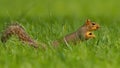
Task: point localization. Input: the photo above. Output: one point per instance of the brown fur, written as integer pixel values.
(81, 34)
(19, 31)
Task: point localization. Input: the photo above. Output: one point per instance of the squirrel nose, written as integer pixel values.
(98, 26)
(94, 36)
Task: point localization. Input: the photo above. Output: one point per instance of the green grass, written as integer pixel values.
(49, 20)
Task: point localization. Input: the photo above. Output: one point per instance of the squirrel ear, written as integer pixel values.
(88, 22)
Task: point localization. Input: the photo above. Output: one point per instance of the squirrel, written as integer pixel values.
(82, 33)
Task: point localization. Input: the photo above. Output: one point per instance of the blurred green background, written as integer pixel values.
(43, 8)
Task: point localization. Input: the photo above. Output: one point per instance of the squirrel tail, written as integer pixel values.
(19, 31)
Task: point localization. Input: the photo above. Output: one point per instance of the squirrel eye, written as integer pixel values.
(90, 33)
(93, 23)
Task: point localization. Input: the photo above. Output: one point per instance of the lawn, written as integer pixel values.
(48, 20)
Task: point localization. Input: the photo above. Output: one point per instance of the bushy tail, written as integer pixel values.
(19, 31)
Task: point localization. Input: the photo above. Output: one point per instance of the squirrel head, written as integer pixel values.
(89, 35)
(91, 25)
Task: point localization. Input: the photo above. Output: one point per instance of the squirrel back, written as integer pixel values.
(74, 38)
